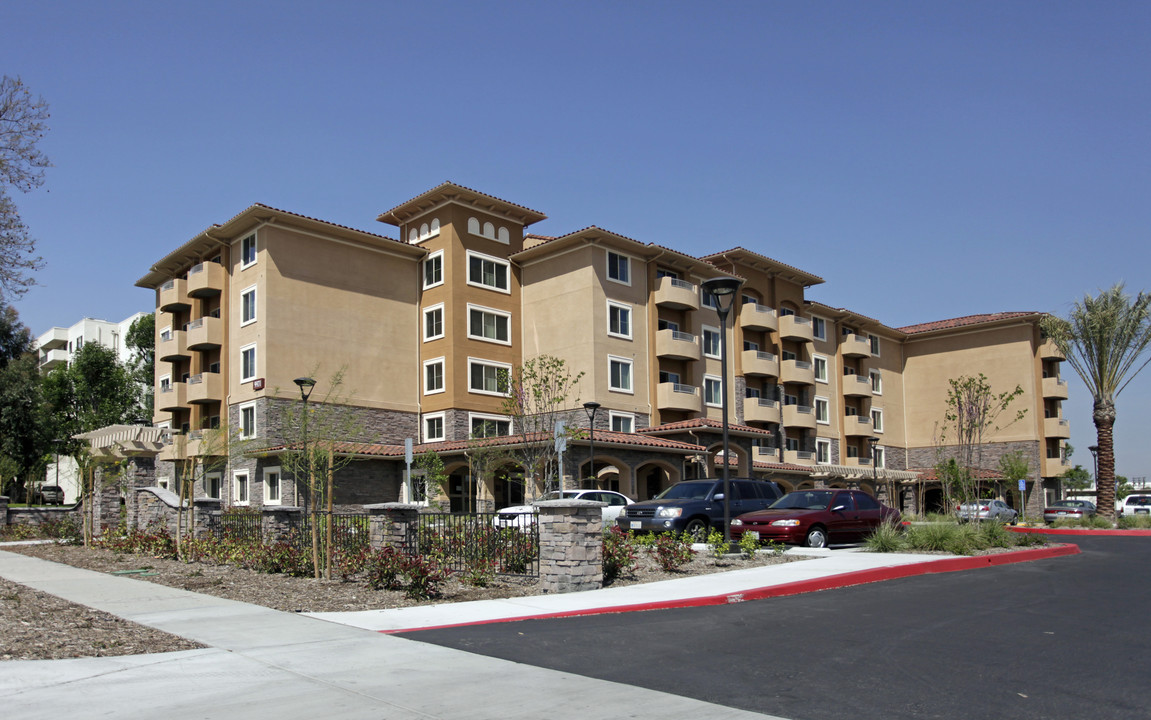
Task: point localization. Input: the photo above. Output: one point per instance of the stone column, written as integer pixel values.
(204, 508)
(277, 522)
(388, 523)
(571, 545)
(3, 510)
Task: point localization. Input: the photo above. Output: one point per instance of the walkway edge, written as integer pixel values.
(848, 579)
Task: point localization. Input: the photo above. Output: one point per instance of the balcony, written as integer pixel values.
(55, 339)
(766, 453)
(856, 386)
(175, 348)
(174, 295)
(798, 416)
(675, 396)
(207, 443)
(859, 462)
(753, 316)
(758, 362)
(797, 371)
(794, 327)
(1056, 427)
(172, 397)
(799, 457)
(205, 388)
(1056, 465)
(855, 346)
(761, 410)
(206, 333)
(857, 426)
(1055, 388)
(1050, 351)
(206, 280)
(675, 293)
(676, 345)
(53, 358)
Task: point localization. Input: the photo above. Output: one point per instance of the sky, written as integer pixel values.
(928, 160)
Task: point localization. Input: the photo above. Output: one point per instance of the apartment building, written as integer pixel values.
(424, 327)
(57, 346)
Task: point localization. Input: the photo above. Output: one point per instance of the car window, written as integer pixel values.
(686, 491)
(733, 487)
(804, 500)
(845, 499)
(865, 502)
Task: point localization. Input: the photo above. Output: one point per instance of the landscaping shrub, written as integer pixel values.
(426, 576)
(520, 550)
(67, 530)
(888, 537)
(749, 545)
(671, 551)
(17, 532)
(718, 546)
(933, 536)
(995, 534)
(383, 569)
(1135, 522)
(618, 554)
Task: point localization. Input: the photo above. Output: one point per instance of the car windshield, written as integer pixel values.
(1066, 504)
(686, 491)
(804, 500)
(556, 495)
(1139, 500)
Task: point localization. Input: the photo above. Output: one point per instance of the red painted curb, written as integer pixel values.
(859, 577)
(1082, 531)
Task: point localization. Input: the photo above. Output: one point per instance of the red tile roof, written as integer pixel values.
(964, 321)
(700, 424)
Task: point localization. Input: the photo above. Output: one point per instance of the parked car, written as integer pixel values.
(1068, 510)
(817, 518)
(987, 510)
(49, 495)
(695, 506)
(1134, 505)
(522, 516)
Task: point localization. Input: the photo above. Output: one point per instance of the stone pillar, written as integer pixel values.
(571, 545)
(388, 523)
(106, 503)
(277, 522)
(204, 508)
(3, 510)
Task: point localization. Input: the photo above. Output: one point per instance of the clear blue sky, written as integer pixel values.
(928, 159)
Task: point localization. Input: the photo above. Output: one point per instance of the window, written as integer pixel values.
(665, 273)
(240, 487)
(785, 311)
(749, 345)
(708, 299)
(712, 390)
(880, 457)
(619, 320)
(668, 377)
(247, 363)
(788, 355)
(818, 328)
(248, 306)
(434, 427)
(272, 488)
(248, 251)
(821, 413)
(874, 339)
(619, 268)
(488, 272)
(711, 341)
(434, 376)
(876, 382)
(434, 270)
(490, 426)
(877, 419)
(248, 420)
(434, 322)
(163, 482)
(488, 378)
(823, 451)
(662, 324)
(622, 422)
(619, 370)
(819, 363)
(488, 324)
(212, 485)
(165, 336)
(165, 383)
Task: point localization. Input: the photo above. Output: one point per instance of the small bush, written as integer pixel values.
(426, 577)
(748, 545)
(888, 537)
(933, 536)
(383, 567)
(481, 572)
(717, 545)
(17, 532)
(1135, 522)
(1029, 539)
(671, 551)
(618, 554)
(995, 534)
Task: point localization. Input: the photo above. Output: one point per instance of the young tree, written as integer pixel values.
(539, 392)
(1075, 479)
(1015, 466)
(141, 339)
(25, 431)
(1105, 338)
(22, 119)
(433, 478)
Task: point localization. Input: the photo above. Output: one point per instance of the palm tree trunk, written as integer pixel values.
(1104, 416)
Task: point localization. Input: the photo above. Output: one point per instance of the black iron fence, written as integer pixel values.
(350, 531)
(243, 526)
(478, 542)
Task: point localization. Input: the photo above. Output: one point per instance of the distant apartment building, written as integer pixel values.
(424, 327)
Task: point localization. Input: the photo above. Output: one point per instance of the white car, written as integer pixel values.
(1134, 505)
(520, 516)
(987, 510)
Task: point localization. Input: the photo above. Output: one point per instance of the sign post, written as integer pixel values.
(408, 471)
(561, 446)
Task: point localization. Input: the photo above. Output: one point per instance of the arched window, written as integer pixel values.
(435, 226)
(489, 230)
(413, 235)
(423, 231)
(473, 226)
(504, 236)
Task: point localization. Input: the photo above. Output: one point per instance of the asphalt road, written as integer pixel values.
(1058, 638)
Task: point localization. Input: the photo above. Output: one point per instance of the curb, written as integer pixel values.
(1082, 531)
(858, 577)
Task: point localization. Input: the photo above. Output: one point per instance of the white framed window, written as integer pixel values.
(823, 451)
(433, 376)
(877, 419)
(273, 493)
(619, 374)
(489, 425)
(618, 268)
(434, 427)
(711, 341)
(434, 322)
(712, 390)
(707, 299)
(819, 365)
(165, 383)
(247, 363)
(248, 251)
(487, 377)
(621, 422)
(618, 320)
(240, 487)
(248, 420)
(489, 325)
(212, 484)
(165, 336)
(434, 268)
(876, 382)
(818, 328)
(248, 305)
(822, 416)
(164, 482)
(488, 272)
(880, 457)
(874, 340)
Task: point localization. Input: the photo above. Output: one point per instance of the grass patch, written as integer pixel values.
(1135, 522)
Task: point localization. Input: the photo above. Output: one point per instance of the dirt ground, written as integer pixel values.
(39, 626)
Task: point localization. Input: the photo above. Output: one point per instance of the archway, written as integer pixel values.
(653, 478)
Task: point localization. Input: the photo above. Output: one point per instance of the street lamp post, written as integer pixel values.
(723, 289)
(306, 384)
(590, 407)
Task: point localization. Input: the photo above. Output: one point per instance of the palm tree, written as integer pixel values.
(1103, 338)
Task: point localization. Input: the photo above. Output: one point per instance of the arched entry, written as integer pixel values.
(610, 474)
(933, 501)
(461, 489)
(653, 478)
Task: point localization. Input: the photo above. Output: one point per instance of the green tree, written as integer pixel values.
(1105, 338)
(25, 433)
(433, 477)
(141, 339)
(1015, 466)
(540, 391)
(1075, 479)
(22, 124)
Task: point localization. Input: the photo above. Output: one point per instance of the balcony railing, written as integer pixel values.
(677, 396)
(794, 327)
(856, 346)
(676, 344)
(759, 362)
(753, 316)
(675, 293)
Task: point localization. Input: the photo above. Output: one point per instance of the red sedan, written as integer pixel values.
(816, 518)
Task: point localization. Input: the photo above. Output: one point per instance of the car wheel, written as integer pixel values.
(696, 528)
(816, 538)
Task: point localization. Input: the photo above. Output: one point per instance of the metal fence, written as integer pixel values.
(236, 526)
(350, 531)
(478, 541)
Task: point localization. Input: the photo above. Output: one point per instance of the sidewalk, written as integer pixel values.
(263, 663)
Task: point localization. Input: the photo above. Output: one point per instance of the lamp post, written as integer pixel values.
(723, 289)
(590, 407)
(873, 441)
(306, 384)
(1095, 462)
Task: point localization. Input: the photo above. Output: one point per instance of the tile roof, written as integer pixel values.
(964, 321)
(531, 216)
(736, 251)
(701, 424)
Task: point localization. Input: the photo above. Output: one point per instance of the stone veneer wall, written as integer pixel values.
(372, 425)
(571, 545)
(457, 422)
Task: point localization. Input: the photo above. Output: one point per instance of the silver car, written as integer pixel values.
(987, 510)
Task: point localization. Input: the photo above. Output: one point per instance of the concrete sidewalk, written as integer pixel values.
(263, 663)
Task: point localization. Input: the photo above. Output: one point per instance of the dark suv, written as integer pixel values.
(694, 506)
